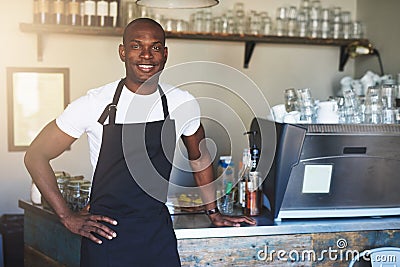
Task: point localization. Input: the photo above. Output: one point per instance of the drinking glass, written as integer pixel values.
(266, 24)
(207, 22)
(305, 3)
(198, 21)
(281, 27)
(290, 97)
(255, 23)
(351, 106)
(373, 106)
(357, 30)
(240, 21)
(306, 104)
(388, 92)
(302, 24)
(337, 23)
(346, 24)
(217, 24)
(292, 21)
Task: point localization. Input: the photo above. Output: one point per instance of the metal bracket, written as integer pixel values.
(248, 52)
(344, 56)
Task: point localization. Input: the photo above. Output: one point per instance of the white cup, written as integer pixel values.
(279, 112)
(292, 117)
(327, 112)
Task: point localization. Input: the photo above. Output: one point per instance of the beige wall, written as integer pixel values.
(383, 24)
(93, 61)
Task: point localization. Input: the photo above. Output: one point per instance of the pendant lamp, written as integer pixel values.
(177, 3)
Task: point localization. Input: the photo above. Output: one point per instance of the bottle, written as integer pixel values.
(254, 151)
(222, 164)
(43, 11)
(36, 11)
(114, 6)
(82, 13)
(102, 13)
(89, 13)
(253, 195)
(73, 12)
(229, 174)
(58, 12)
(243, 176)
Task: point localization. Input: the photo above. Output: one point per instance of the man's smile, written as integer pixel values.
(145, 67)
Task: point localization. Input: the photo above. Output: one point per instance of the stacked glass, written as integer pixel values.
(351, 107)
(388, 92)
(306, 105)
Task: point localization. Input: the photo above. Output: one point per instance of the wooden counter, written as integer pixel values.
(333, 242)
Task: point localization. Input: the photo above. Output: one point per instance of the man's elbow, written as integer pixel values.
(28, 158)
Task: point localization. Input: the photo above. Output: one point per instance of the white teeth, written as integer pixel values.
(146, 66)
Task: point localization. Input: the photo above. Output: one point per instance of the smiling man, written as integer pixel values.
(127, 222)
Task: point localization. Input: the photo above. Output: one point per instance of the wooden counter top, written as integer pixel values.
(49, 243)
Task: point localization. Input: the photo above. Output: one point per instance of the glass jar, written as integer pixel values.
(73, 194)
(290, 98)
(62, 183)
(84, 196)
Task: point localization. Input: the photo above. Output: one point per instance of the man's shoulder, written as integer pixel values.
(176, 94)
(104, 91)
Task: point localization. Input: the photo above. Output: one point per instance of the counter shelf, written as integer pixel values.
(48, 243)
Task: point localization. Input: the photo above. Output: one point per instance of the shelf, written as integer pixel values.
(249, 40)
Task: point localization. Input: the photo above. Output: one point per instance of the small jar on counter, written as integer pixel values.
(62, 183)
(84, 195)
(73, 194)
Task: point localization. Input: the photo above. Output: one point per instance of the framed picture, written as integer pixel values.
(35, 97)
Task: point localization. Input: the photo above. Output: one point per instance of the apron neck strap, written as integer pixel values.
(164, 102)
(111, 109)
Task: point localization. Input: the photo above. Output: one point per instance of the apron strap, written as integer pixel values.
(111, 109)
(164, 102)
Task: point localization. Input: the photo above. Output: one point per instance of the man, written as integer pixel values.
(127, 223)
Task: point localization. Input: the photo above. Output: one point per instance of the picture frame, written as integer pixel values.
(35, 96)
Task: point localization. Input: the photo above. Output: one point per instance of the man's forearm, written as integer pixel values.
(204, 178)
(43, 176)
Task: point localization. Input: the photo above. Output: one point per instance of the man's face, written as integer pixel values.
(143, 52)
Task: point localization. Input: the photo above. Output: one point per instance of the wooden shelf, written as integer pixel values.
(249, 40)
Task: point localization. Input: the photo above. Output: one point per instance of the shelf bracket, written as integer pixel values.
(344, 56)
(248, 52)
(39, 47)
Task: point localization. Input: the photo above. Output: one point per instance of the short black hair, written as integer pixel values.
(146, 21)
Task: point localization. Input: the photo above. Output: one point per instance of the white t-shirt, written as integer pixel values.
(81, 115)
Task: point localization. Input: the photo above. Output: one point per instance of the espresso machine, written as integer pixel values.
(331, 170)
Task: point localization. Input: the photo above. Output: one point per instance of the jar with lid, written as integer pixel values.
(73, 194)
(84, 196)
(62, 183)
(290, 97)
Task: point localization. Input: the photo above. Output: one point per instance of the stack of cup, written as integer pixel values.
(388, 92)
(351, 106)
(373, 106)
(306, 105)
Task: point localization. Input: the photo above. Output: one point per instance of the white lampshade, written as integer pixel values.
(177, 3)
